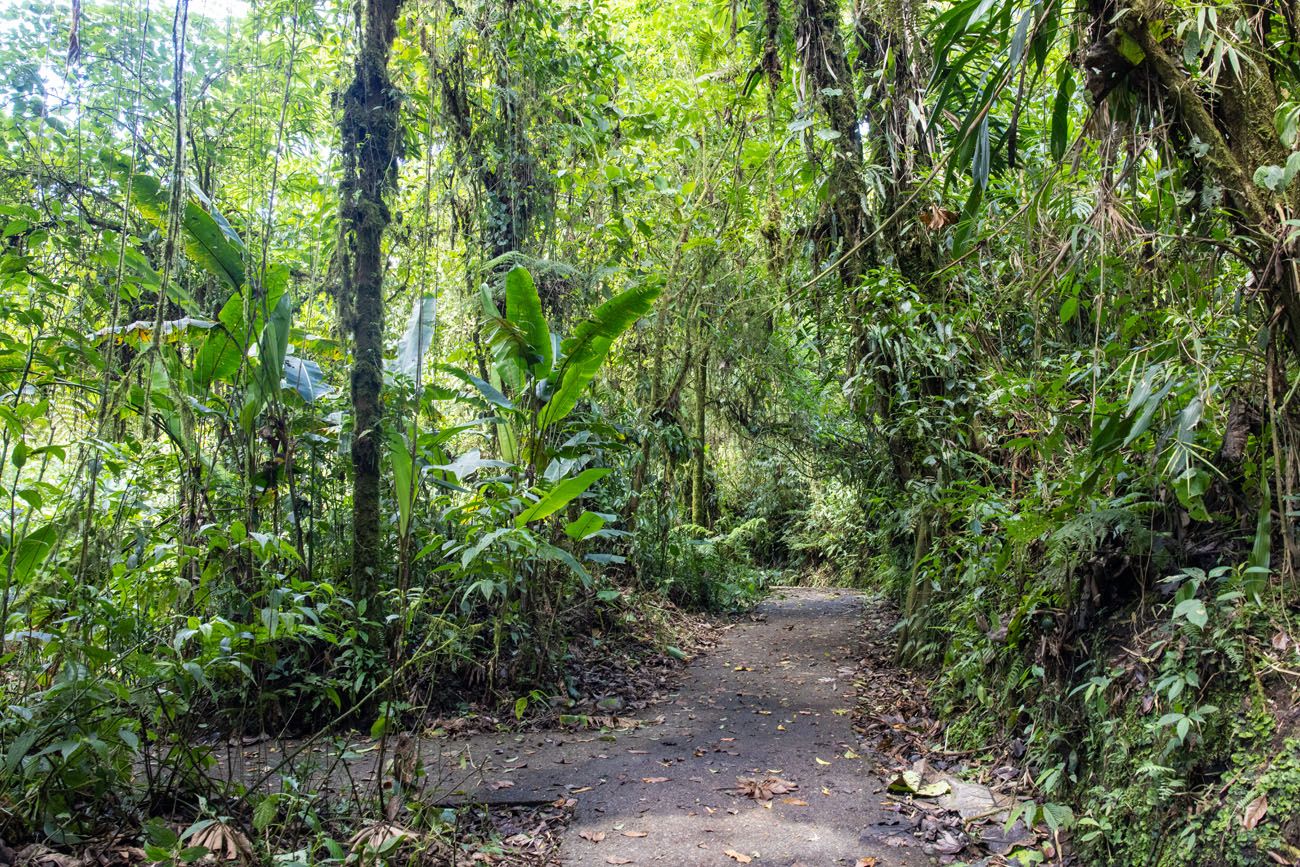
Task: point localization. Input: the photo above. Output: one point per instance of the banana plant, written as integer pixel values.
(537, 380)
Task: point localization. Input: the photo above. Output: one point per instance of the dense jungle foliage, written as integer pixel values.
(356, 359)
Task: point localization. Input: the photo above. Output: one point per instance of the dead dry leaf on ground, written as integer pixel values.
(738, 856)
(1255, 811)
(763, 790)
(911, 782)
(43, 856)
(378, 835)
(225, 842)
(593, 836)
(614, 859)
(654, 779)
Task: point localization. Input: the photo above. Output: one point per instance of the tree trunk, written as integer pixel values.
(371, 136)
(828, 83)
(698, 512)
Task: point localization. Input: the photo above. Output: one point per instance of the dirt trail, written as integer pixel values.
(773, 699)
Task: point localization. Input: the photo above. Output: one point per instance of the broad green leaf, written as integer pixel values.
(561, 495)
(1194, 612)
(269, 370)
(31, 553)
(305, 377)
(524, 311)
(586, 524)
(551, 552)
(585, 351)
(490, 393)
(1060, 135)
(399, 451)
(208, 243)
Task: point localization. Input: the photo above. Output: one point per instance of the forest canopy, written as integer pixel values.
(365, 364)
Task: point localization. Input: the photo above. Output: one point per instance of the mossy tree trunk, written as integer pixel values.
(371, 135)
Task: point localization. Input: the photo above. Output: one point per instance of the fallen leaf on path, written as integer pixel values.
(593, 836)
(614, 859)
(636, 834)
(822, 762)
(496, 785)
(1255, 811)
(910, 782)
(865, 862)
(794, 802)
(738, 856)
(654, 779)
(763, 790)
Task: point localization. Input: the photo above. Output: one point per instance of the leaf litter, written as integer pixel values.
(957, 809)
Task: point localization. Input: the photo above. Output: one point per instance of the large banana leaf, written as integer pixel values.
(561, 495)
(272, 346)
(418, 335)
(509, 346)
(586, 350)
(225, 346)
(210, 244)
(305, 377)
(524, 311)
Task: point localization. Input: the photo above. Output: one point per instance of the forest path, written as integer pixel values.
(773, 700)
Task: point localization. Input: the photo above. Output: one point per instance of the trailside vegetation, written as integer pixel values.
(368, 363)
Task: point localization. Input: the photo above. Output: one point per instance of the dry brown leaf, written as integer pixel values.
(794, 802)
(614, 859)
(636, 834)
(497, 785)
(226, 843)
(935, 218)
(865, 862)
(738, 856)
(593, 836)
(1281, 641)
(763, 790)
(654, 779)
(1255, 811)
(378, 835)
(43, 856)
